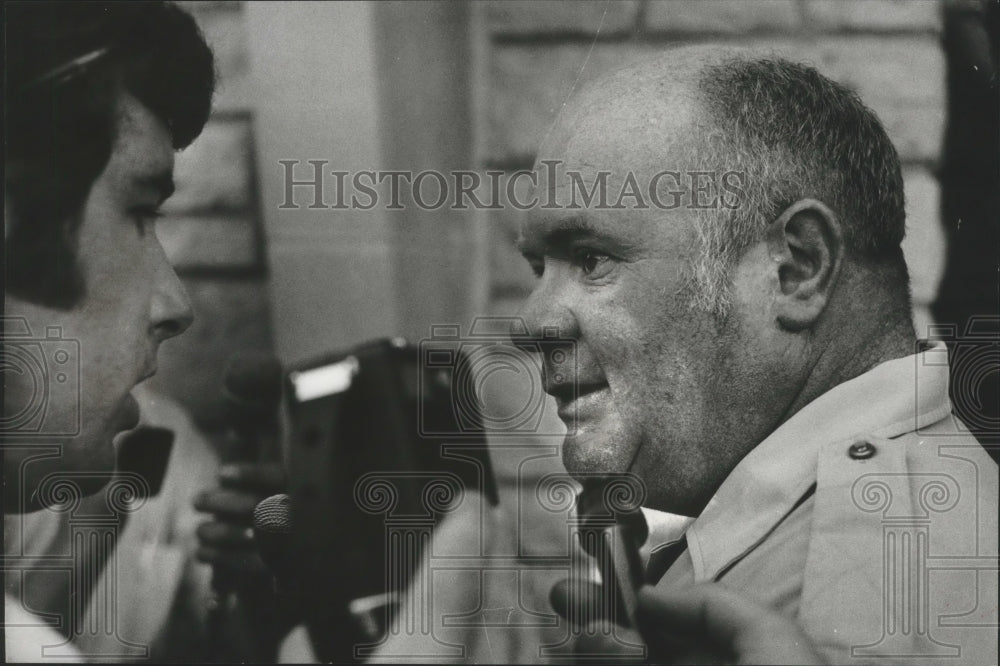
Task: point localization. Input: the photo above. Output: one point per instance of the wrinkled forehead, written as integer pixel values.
(611, 138)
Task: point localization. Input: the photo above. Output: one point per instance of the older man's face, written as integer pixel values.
(660, 387)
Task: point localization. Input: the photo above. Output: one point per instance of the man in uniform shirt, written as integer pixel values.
(748, 353)
(718, 239)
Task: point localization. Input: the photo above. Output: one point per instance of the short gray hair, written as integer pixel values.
(793, 134)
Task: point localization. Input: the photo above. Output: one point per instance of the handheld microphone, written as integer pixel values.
(251, 389)
(272, 526)
(613, 538)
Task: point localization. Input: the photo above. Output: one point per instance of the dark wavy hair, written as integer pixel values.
(67, 65)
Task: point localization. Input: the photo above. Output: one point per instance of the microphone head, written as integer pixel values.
(253, 378)
(272, 525)
(273, 516)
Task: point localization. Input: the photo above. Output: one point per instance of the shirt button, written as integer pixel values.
(861, 450)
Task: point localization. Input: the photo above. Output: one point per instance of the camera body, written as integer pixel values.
(48, 369)
(363, 472)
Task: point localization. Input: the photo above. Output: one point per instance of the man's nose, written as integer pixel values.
(543, 317)
(171, 312)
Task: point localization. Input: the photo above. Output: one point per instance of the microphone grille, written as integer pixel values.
(273, 515)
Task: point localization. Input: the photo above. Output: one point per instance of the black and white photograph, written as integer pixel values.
(501, 331)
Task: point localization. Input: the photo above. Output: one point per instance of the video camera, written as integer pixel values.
(377, 437)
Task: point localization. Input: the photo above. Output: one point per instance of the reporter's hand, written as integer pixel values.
(707, 623)
(252, 622)
(226, 539)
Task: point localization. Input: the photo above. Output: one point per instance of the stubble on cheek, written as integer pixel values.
(599, 445)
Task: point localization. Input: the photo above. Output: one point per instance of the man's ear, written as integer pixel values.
(807, 245)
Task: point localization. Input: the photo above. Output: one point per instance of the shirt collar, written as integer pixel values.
(892, 398)
(664, 529)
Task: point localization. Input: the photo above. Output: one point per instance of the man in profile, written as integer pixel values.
(749, 356)
(736, 315)
(98, 98)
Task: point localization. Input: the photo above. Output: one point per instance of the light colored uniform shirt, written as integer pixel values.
(870, 517)
(890, 553)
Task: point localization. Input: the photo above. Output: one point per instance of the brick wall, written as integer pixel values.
(886, 50)
(527, 58)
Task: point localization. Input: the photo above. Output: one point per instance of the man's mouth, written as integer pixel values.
(574, 406)
(127, 415)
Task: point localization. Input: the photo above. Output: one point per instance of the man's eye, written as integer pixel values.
(594, 264)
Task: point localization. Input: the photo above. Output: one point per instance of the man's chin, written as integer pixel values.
(590, 450)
